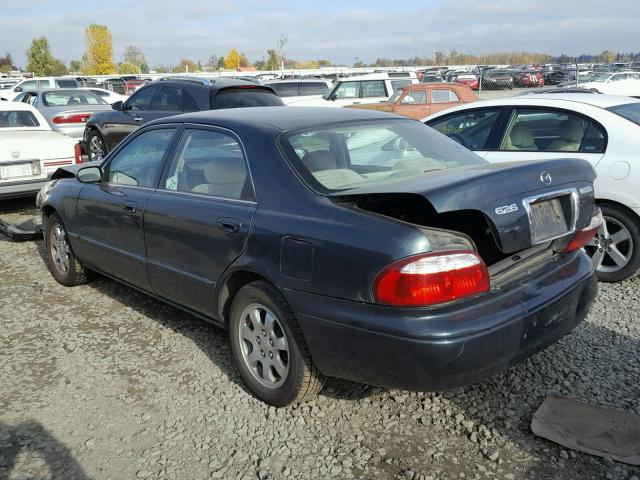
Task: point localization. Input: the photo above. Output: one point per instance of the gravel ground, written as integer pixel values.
(100, 381)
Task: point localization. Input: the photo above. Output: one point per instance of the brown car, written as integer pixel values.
(419, 100)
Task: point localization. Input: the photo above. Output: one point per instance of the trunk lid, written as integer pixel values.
(509, 195)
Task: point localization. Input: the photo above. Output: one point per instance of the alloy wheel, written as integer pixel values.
(96, 148)
(60, 249)
(612, 247)
(264, 345)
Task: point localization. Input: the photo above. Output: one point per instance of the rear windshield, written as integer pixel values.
(364, 153)
(62, 99)
(18, 119)
(245, 97)
(67, 83)
(630, 111)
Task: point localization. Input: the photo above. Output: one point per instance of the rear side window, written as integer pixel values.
(552, 131)
(289, 89)
(373, 88)
(443, 96)
(209, 163)
(630, 111)
(244, 97)
(173, 99)
(313, 88)
(18, 119)
(470, 129)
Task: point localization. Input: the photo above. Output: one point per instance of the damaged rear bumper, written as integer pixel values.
(451, 346)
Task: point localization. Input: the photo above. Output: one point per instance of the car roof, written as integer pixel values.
(281, 118)
(601, 101)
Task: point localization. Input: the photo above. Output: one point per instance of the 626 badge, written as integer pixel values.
(506, 209)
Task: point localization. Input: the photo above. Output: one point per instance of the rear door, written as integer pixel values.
(109, 215)
(442, 98)
(198, 221)
(543, 133)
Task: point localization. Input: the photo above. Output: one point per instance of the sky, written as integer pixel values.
(169, 30)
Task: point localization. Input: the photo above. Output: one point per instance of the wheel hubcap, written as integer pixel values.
(612, 247)
(264, 345)
(96, 149)
(59, 249)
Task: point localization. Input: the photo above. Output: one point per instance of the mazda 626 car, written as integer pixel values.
(346, 243)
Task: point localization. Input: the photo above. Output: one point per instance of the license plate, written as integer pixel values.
(16, 170)
(547, 220)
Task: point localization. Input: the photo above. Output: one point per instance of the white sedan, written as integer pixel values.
(615, 83)
(30, 150)
(108, 96)
(602, 129)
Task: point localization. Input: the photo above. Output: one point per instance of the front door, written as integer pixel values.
(110, 214)
(198, 221)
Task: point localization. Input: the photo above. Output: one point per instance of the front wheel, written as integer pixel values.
(64, 265)
(269, 349)
(614, 250)
(96, 146)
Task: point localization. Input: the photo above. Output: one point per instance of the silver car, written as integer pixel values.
(66, 110)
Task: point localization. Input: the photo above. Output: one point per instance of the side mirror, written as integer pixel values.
(119, 106)
(89, 175)
(17, 89)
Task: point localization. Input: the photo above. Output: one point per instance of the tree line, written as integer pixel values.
(98, 59)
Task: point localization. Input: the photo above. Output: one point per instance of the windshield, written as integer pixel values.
(630, 111)
(69, 98)
(18, 119)
(364, 153)
(600, 77)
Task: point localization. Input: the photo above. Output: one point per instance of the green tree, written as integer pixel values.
(273, 63)
(144, 68)
(57, 68)
(128, 68)
(244, 61)
(39, 57)
(186, 66)
(75, 65)
(221, 61)
(134, 55)
(99, 54)
(232, 61)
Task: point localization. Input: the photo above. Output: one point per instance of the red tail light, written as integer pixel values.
(78, 153)
(584, 236)
(431, 279)
(71, 118)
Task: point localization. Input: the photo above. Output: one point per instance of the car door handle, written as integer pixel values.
(138, 119)
(130, 207)
(229, 225)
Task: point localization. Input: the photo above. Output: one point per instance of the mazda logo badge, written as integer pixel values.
(545, 177)
(15, 153)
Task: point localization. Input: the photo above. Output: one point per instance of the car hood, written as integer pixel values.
(490, 187)
(313, 102)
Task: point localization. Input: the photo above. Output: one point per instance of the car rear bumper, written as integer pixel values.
(22, 188)
(451, 346)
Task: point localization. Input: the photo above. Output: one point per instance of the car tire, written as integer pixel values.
(63, 264)
(615, 250)
(96, 146)
(282, 372)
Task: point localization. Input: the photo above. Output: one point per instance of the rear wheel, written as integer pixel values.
(96, 146)
(269, 349)
(64, 266)
(614, 250)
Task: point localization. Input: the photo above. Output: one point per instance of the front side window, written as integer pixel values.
(356, 154)
(347, 90)
(142, 99)
(140, 161)
(29, 86)
(547, 131)
(416, 96)
(209, 163)
(444, 96)
(469, 128)
(396, 84)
